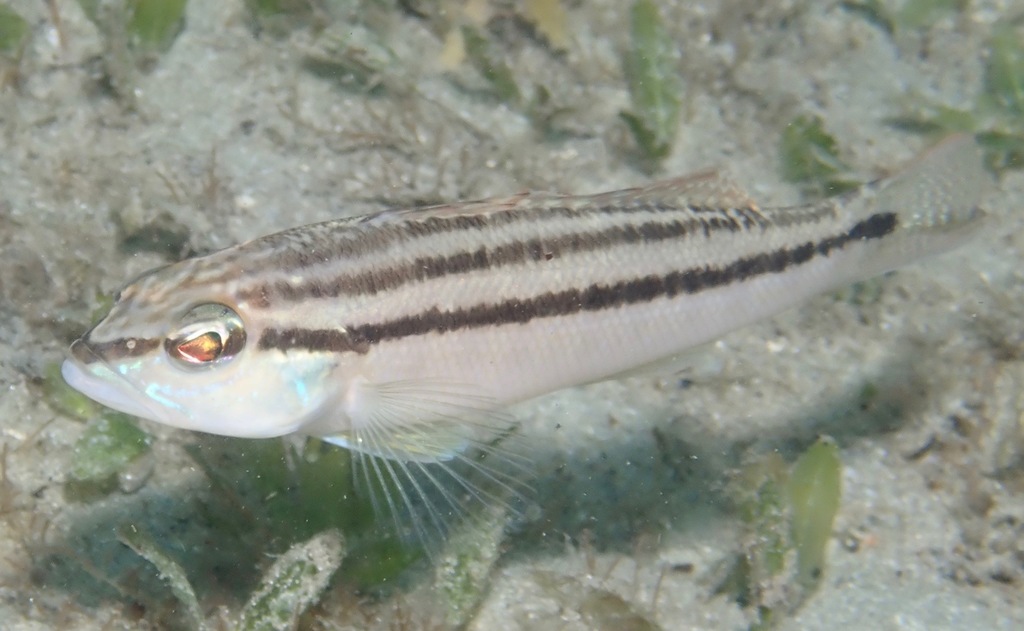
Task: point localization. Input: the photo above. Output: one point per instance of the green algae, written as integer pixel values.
(155, 24)
(810, 158)
(107, 446)
(787, 513)
(274, 494)
(654, 85)
(996, 117)
(66, 400)
(814, 489)
(14, 31)
(489, 63)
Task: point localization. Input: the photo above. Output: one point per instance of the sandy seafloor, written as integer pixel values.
(233, 138)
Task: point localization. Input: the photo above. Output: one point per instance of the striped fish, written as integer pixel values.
(402, 334)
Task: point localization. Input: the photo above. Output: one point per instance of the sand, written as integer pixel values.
(229, 136)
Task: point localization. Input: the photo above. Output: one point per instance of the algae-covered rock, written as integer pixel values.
(170, 572)
(293, 583)
(463, 572)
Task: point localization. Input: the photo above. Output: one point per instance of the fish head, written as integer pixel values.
(177, 348)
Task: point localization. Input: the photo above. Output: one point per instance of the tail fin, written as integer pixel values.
(935, 199)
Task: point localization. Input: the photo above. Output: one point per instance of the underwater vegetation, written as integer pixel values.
(487, 61)
(654, 83)
(110, 445)
(996, 118)
(293, 583)
(357, 57)
(107, 448)
(14, 32)
(907, 16)
(810, 158)
(135, 34)
(814, 491)
(149, 26)
(462, 577)
(279, 17)
(154, 24)
(787, 512)
(550, 19)
(170, 573)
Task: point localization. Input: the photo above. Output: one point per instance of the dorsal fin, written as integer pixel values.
(487, 206)
(704, 189)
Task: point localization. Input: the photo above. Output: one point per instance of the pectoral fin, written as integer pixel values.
(431, 449)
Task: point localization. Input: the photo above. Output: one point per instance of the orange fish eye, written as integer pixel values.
(208, 334)
(202, 349)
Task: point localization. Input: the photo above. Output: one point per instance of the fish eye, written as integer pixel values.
(208, 334)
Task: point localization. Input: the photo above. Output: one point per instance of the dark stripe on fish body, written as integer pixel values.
(333, 340)
(351, 239)
(595, 297)
(484, 258)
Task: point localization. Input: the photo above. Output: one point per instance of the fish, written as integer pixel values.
(403, 335)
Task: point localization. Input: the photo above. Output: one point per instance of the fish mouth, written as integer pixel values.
(81, 352)
(88, 373)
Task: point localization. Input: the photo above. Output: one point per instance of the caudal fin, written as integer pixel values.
(935, 200)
